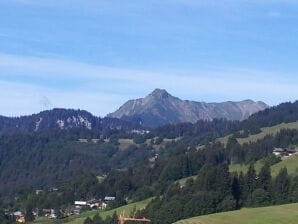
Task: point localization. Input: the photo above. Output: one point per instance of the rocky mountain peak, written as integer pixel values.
(160, 108)
(160, 94)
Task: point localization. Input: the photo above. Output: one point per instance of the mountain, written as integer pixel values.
(160, 108)
(43, 149)
(62, 119)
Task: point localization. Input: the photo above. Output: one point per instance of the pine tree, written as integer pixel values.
(236, 190)
(241, 180)
(250, 183)
(264, 179)
(281, 186)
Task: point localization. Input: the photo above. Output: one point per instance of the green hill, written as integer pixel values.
(264, 131)
(291, 163)
(127, 209)
(283, 214)
(79, 219)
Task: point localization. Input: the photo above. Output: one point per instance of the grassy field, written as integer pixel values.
(127, 209)
(243, 168)
(264, 131)
(124, 143)
(291, 163)
(283, 214)
(183, 180)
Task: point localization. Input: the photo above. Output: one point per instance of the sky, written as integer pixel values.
(97, 54)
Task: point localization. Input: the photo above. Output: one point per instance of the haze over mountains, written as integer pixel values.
(62, 119)
(160, 108)
(157, 109)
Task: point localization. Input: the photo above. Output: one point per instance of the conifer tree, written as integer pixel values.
(281, 186)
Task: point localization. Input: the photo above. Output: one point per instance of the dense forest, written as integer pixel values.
(56, 159)
(65, 119)
(214, 184)
(45, 159)
(285, 112)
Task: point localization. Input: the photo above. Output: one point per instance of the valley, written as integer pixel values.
(158, 172)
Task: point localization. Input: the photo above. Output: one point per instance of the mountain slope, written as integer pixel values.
(62, 119)
(160, 108)
(269, 215)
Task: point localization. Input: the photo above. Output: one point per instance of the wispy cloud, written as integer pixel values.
(101, 89)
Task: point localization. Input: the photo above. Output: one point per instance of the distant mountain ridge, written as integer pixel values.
(62, 119)
(160, 108)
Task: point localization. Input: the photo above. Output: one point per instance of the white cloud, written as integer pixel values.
(103, 89)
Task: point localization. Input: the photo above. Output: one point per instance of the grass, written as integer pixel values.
(243, 167)
(264, 131)
(127, 209)
(291, 163)
(124, 143)
(182, 181)
(282, 214)
(79, 219)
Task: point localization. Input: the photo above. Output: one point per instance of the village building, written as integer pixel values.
(108, 198)
(19, 217)
(283, 151)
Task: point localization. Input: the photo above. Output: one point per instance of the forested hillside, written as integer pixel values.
(38, 160)
(64, 119)
(73, 159)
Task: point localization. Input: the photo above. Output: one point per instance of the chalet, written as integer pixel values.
(53, 216)
(37, 192)
(140, 132)
(20, 218)
(54, 189)
(83, 140)
(283, 151)
(48, 212)
(77, 211)
(91, 204)
(103, 205)
(95, 140)
(107, 198)
(80, 203)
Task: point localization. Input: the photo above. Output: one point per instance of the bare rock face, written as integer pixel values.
(160, 108)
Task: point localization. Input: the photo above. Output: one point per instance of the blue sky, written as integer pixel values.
(95, 55)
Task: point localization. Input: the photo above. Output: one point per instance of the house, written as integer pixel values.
(95, 140)
(108, 198)
(37, 192)
(48, 212)
(91, 204)
(77, 211)
(53, 216)
(140, 132)
(278, 151)
(83, 140)
(20, 218)
(81, 203)
(53, 189)
(283, 151)
(103, 205)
